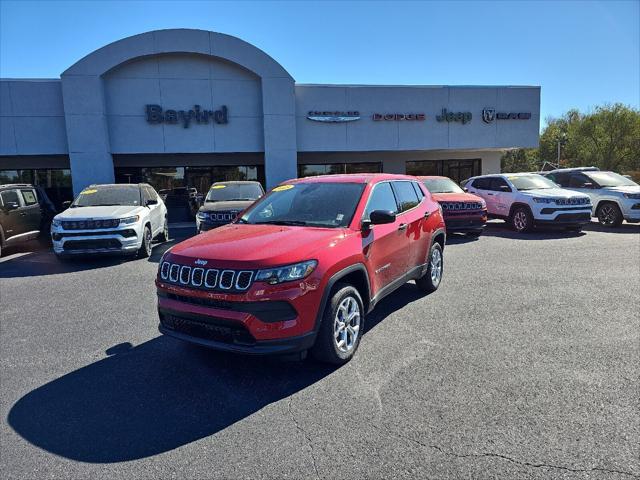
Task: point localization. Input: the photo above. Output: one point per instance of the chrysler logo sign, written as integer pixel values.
(333, 117)
(490, 114)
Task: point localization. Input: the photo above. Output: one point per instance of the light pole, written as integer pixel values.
(562, 139)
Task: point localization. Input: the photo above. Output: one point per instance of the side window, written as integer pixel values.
(407, 197)
(577, 180)
(481, 183)
(151, 193)
(419, 191)
(497, 183)
(29, 197)
(382, 198)
(9, 196)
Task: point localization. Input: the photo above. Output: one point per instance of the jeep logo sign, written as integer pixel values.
(462, 117)
(155, 115)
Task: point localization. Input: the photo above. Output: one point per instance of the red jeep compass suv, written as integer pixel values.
(301, 267)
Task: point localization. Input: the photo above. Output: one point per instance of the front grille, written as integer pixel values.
(212, 328)
(210, 279)
(106, 244)
(222, 216)
(89, 224)
(455, 206)
(128, 233)
(572, 201)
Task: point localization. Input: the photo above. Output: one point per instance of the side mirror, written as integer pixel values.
(465, 189)
(380, 217)
(505, 188)
(152, 201)
(66, 204)
(12, 206)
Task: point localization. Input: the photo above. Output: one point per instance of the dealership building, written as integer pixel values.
(190, 107)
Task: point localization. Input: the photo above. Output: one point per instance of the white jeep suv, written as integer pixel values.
(528, 199)
(117, 218)
(614, 197)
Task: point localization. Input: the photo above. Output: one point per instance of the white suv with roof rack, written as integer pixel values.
(526, 200)
(117, 218)
(614, 197)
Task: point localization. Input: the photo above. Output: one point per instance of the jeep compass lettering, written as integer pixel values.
(302, 266)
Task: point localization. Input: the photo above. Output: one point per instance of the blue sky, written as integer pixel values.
(582, 53)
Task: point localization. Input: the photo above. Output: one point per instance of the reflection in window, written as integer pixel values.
(311, 170)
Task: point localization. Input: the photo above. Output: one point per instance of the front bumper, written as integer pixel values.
(561, 215)
(465, 223)
(124, 240)
(205, 225)
(631, 210)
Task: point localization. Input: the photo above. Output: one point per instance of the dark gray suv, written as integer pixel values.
(20, 214)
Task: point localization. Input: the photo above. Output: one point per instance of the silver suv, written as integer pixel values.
(116, 218)
(613, 196)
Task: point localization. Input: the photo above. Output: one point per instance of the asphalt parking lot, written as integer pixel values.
(525, 364)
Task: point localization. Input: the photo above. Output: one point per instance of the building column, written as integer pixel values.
(87, 131)
(280, 145)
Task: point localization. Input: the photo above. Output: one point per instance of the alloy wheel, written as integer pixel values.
(436, 266)
(520, 220)
(607, 215)
(346, 324)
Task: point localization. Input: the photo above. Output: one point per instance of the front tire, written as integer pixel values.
(432, 278)
(609, 214)
(164, 235)
(341, 327)
(145, 248)
(521, 220)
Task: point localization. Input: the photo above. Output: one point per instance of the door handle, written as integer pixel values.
(490, 194)
(23, 214)
(402, 226)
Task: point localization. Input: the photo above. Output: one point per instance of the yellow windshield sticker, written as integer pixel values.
(216, 187)
(282, 188)
(88, 192)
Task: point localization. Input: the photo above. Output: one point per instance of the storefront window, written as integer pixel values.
(457, 170)
(55, 182)
(311, 170)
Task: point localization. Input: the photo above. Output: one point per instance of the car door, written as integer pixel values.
(13, 222)
(577, 182)
(480, 187)
(412, 220)
(384, 245)
(501, 198)
(31, 209)
(156, 214)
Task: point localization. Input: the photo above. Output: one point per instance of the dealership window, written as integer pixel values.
(200, 178)
(457, 170)
(312, 170)
(55, 182)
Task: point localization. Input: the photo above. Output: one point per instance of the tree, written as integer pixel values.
(608, 138)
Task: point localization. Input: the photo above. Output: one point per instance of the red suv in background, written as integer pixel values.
(302, 266)
(463, 212)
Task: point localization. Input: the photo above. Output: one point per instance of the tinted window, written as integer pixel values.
(220, 192)
(442, 185)
(418, 190)
(9, 196)
(610, 179)
(314, 204)
(481, 183)
(497, 183)
(29, 197)
(577, 180)
(407, 197)
(531, 182)
(382, 198)
(561, 179)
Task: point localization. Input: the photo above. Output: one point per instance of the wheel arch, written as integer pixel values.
(607, 200)
(439, 236)
(519, 204)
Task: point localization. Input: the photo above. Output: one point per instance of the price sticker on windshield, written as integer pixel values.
(282, 188)
(218, 187)
(88, 192)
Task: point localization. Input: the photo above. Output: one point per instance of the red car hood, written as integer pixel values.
(455, 197)
(251, 246)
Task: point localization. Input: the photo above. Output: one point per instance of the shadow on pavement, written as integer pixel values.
(148, 399)
(624, 228)
(34, 260)
(502, 230)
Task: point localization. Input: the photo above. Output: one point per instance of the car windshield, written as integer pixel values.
(234, 191)
(531, 182)
(441, 185)
(314, 204)
(610, 179)
(108, 195)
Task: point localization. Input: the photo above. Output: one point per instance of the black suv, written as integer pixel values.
(21, 215)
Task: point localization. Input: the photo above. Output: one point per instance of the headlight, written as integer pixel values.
(56, 223)
(286, 273)
(129, 220)
(483, 204)
(202, 215)
(635, 196)
(543, 200)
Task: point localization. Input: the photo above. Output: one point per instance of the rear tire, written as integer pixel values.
(521, 219)
(432, 278)
(145, 248)
(609, 214)
(341, 328)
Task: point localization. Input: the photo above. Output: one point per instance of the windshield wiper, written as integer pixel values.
(296, 223)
